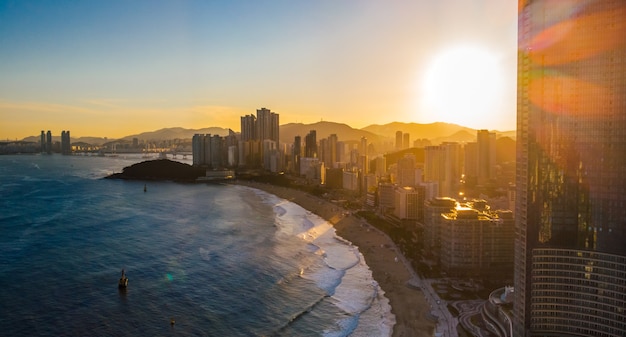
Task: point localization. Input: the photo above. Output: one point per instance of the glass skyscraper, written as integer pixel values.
(570, 250)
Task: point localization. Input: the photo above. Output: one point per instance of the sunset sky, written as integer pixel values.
(115, 68)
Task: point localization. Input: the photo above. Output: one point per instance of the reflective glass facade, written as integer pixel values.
(570, 247)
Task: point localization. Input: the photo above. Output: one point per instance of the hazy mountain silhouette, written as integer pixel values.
(177, 133)
(417, 131)
(505, 149)
(437, 133)
(82, 140)
(324, 129)
(461, 136)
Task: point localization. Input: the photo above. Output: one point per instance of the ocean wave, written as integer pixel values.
(343, 273)
(345, 327)
(295, 317)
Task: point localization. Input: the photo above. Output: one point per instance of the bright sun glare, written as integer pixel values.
(462, 85)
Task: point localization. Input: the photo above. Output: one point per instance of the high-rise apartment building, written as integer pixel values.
(406, 171)
(399, 140)
(248, 128)
(310, 144)
(570, 250)
(267, 125)
(442, 164)
(43, 141)
(66, 143)
(477, 242)
(486, 152)
(49, 142)
(254, 133)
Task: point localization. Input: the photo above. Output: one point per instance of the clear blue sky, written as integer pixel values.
(113, 68)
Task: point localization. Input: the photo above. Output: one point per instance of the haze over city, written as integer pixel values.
(118, 68)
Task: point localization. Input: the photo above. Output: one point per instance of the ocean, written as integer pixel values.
(217, 260)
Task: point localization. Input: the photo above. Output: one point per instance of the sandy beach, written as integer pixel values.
(408, 304)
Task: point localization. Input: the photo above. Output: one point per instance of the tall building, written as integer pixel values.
(486, 161)
(442, 164)
(254, 132)
(66, 143)
(43, 141)
(399, 140)
(48, 142)
(570, 249)
(267, 125)
(408, 203)
(310, 144)
(248, 128)
(477, 242)
(406, 171)
(363, 146)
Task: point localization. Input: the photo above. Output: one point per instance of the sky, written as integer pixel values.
(116, 68)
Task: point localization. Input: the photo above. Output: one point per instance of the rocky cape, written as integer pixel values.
(160, 169)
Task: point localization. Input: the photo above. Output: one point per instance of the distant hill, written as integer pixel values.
(461, 136)
(177, 133)
(324, 129)
(417, 131)
(437, 133)
(505, 149)
(83, 140)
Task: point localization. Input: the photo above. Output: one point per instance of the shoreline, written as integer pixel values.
(408, 304)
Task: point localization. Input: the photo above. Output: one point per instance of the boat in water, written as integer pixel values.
(123, 282)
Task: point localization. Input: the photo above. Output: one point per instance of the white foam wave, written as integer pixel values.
(344, 275)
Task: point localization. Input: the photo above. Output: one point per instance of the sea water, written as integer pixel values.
(202, 260)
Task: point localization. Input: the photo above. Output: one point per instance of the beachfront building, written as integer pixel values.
(476, 242)
(313, 170)
(257, 136)
(570, 268)
(433, 208)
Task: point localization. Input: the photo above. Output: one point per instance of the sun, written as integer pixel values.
(462, 85)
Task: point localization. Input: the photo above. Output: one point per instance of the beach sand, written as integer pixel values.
(407, 304)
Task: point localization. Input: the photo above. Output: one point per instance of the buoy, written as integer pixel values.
(172, 321)
(123, 282)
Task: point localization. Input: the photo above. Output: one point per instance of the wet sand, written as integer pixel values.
(408, 304)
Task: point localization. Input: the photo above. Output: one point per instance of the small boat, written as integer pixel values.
(123, 282)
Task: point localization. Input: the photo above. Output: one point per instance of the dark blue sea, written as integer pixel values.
(219, 260)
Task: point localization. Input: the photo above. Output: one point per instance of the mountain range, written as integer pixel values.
(435, 132)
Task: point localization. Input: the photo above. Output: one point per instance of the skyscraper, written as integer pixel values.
(399, 140)
(310, 144)
(570, 249)
(486, 161)
(267, 125)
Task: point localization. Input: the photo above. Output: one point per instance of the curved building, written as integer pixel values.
(570, 251)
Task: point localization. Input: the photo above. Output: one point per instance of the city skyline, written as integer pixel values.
(116, 69)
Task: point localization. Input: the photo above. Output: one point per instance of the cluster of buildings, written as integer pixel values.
(48, 146)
